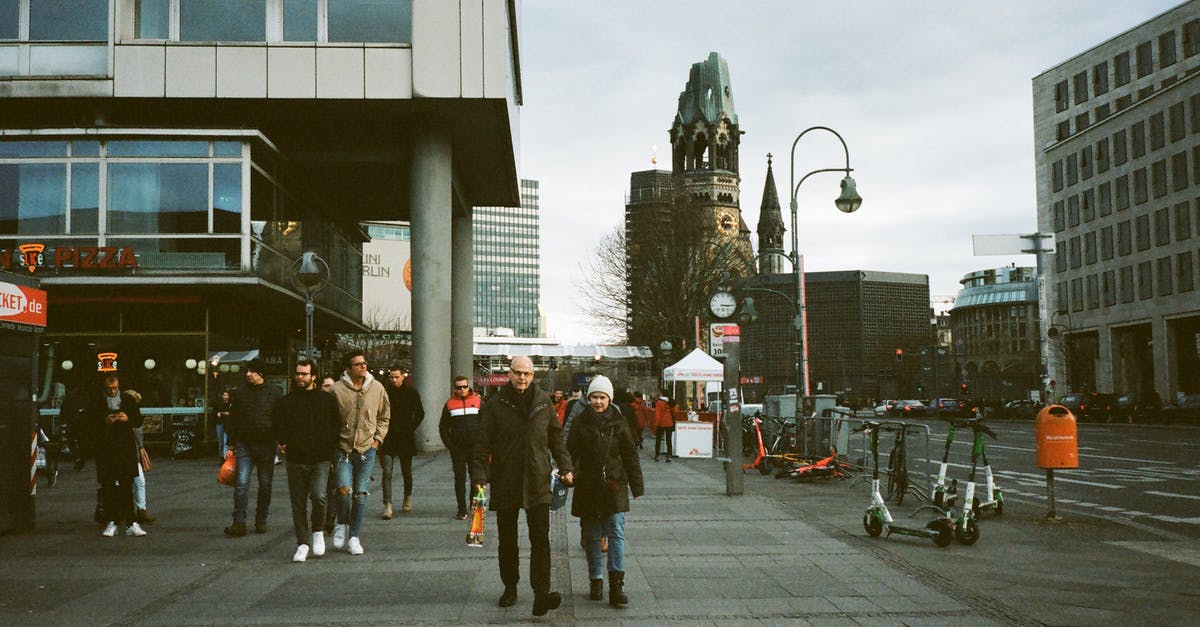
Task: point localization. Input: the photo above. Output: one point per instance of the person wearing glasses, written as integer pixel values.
(459, 428)
(365, 411)
(519, 434)
(307, 425)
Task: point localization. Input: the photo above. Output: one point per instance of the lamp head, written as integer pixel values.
(749, 313)
(849, 200)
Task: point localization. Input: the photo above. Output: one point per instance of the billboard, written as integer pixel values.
(387, 284)
(22, 305)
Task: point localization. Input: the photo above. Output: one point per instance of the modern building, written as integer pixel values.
(507, 264)
(996, 349)
(683, 228)
(1117, 136)
(865, 330)
(163, 164)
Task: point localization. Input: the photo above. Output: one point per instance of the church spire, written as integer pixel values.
(770, 227)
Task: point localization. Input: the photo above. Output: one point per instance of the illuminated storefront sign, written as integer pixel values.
(33, 256)
(22, 305)
(106, 362)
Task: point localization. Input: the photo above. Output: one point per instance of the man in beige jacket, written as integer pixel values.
(365, 410)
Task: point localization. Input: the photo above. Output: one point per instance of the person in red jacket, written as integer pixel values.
(560, 405)
(664, 425)
(459, 428)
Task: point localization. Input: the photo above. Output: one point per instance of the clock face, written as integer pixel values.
(727, 222)
(722, 304)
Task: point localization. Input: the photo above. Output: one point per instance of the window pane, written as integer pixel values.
(33, 198)
(85, 148)
(152, 19)
(227, 198)
(222, 20)
(167, 148)
(299, 20)
(8, 19)
(68, 20)
(370, 21)
(33, 149)
(85, 197)
(227, 149)
(158, 198)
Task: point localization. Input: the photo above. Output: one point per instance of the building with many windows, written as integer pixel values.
(994, 324)
(1117, 135)
(164, 163)
(507, 251)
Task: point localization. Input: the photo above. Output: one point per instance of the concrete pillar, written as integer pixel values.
(1105, 379)
(1163, 347)
(462, 292)
(430, 202)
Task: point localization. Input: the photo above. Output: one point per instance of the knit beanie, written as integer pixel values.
(600, 383)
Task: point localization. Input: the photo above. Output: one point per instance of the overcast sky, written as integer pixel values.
(933, 98)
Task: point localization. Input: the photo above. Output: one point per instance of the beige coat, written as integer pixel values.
(365, 413)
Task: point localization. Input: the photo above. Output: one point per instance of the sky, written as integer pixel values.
(933, 99)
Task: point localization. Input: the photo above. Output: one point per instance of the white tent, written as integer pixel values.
(696, 366)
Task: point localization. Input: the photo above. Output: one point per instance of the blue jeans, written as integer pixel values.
(612, 526)
(222, 444)
(388, 464)
(354, 472)
(249, 456)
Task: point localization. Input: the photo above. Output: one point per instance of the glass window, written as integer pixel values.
(152, 19)
(1162, 227)
(223, 20)
(1145, 59)
(227, 148)
(33, 198)
(1105, 198)
(68, 20)
(1145, 280)
(1164, 276)
(1184, 265)
(299, 20)
(85, 197)
(158, 198)
(165, 148)
(1158, 135)
(1106, 243)
(9, 13)
(85, 148)
(1119, 148)
(227, 198)
(1100, 77)
(1081, 87)
(33, 149)
(1142, 231)
(1121, 69)
(370, 21)
(1124, 237)
(1137, 139)
(1183, 222)
(1166, 49)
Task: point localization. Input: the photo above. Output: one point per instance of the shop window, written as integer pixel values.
(1183, 222)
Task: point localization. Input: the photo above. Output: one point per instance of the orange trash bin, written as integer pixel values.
(1057, 439)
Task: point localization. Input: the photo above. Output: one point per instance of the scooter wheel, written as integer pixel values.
(999, 503)
(967, 532)
(873, 525)
(943, 531)
(764, 466)
(939, 498)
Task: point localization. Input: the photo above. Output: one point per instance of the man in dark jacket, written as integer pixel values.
(251, 430)
(113, 417)
(520, 432)
(399, 445)
(307, 423)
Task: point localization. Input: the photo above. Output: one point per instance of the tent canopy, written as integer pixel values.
(696, 366)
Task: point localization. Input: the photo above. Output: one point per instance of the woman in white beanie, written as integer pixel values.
(607, 470)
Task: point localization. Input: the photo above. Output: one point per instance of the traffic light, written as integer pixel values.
(899, 354)
(964, 388)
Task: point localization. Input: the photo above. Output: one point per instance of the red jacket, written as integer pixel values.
(664, 417)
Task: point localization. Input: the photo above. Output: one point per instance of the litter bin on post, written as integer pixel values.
(1057, 445)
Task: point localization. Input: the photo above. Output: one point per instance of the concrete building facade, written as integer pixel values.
(207, 144)
(1117, 136)
(996, 344)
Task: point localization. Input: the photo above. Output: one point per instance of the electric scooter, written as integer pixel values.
(878, 519)
(993, 499)
(943, 495)
(966, 530)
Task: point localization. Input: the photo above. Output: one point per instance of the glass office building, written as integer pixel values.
(508, 265)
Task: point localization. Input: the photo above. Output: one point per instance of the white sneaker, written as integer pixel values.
(318, 544)
(110, 530)
(135, 530)
(301, 553)
(355, 546)
(339, 535)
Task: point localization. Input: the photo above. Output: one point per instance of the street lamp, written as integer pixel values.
(309, 274)
(847, 202)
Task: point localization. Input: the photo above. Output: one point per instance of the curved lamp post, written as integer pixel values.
(309, 273)
(847, 202)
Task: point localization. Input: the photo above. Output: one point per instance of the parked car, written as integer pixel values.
(1021, 408)
(950, 408)
(884, 408)
(1185, 411)
(910, 409)
(1137, 407)
(1089, 406)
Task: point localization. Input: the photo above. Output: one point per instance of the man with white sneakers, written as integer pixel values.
(114, 416)
(365, 412)
(307, 424)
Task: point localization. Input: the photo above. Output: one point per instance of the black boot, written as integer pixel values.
(509, 598)
(616, 592)
(544, 602)
(596, 589)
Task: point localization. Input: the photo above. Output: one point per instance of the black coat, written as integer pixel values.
(603, 450)
(307, 422)
(520, 443)
(407, 413)
(252, 414)
(114, 444)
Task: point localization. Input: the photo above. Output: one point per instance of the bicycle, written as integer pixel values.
(897, 469)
